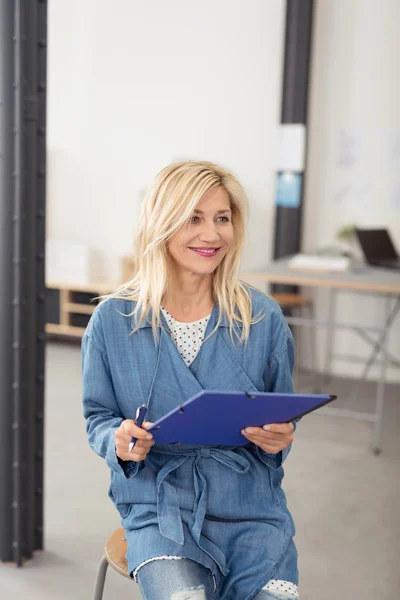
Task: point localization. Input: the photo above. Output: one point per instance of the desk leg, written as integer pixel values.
(380, 390)
(390, 316)
(330, 336)
(316, 373)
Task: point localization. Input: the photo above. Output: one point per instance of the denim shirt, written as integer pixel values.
(220, 506)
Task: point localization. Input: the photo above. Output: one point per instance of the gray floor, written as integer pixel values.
(345, 502)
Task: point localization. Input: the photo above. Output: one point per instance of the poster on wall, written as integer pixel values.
(288, 189)
(291, 147)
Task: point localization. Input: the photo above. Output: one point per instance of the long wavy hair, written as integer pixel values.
(166, 209)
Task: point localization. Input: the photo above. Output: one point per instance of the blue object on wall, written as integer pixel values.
(288, 189)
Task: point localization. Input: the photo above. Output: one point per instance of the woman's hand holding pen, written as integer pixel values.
(123, 436)
(271, 438)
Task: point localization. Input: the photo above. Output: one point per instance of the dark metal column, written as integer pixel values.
(6, 278)
(23, 26)
(294, 111)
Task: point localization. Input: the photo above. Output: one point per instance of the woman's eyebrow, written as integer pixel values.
(224, 210)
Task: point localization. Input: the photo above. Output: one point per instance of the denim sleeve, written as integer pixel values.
(100, 408)
(278, 377)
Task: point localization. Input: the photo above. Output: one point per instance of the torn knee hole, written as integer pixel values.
(193, 593)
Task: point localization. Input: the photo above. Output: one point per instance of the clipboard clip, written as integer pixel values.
(250, 395)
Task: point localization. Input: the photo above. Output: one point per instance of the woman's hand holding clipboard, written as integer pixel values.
(271, 438)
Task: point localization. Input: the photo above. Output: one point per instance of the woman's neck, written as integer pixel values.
(188, 297)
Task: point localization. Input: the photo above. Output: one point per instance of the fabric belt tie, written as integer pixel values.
(168, 510)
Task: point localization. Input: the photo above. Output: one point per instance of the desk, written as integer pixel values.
(378, 282)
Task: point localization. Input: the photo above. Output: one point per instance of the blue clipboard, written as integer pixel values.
(214, 418)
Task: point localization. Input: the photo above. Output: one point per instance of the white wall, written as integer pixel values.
(135, 85)
(355, 115)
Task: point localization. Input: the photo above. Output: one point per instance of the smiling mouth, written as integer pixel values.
(207, 252)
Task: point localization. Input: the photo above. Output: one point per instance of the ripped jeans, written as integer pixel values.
(184, 580)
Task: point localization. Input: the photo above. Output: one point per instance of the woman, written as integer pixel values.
(201, 522)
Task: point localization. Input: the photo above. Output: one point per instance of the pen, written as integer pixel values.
(140, 415)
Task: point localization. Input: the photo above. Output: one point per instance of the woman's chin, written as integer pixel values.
(204, 272)
(197, 269)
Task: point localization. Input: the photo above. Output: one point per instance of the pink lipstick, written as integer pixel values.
(206, 252)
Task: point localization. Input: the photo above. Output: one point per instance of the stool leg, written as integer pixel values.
(100, 579)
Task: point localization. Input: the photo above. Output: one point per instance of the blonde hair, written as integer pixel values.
(167, 207)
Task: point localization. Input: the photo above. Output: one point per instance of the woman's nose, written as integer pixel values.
(209, 233)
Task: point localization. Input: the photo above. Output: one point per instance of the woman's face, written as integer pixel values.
(202, 244)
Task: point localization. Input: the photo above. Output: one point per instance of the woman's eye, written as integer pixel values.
(196, 219)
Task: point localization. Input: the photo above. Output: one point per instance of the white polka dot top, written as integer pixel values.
(188, 337)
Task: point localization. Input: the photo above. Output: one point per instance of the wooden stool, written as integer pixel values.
(114, 555)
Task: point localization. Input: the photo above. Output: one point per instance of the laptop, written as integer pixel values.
(378, 248)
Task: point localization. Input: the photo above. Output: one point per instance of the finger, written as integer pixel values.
(261, 433)
(271, 446)
(273, 438)
(268, 435)
(132, 456)
(122, 444)
(276, 446)
(285, 428)
(144, 444)
(122, 437)
(265, 430)
(263, 436)
(136, 455)
(133, 430)
(140, 447)
(271, 449)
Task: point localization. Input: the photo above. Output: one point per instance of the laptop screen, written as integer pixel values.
(376, 244)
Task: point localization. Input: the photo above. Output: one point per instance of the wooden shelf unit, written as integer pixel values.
(64, 330)
(74, 307)
(69, 306)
